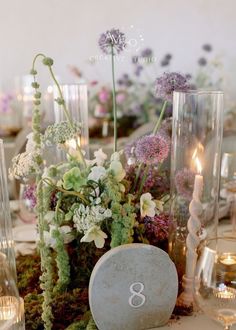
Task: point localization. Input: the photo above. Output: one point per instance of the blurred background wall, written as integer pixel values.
(68, 30)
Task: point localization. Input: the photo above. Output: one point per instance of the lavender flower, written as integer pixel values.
(113, 38)
(170, 82)
(207, 47)
(184, 181)
(157, 228)
(152, 149)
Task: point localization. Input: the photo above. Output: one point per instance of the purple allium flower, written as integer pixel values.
(138, 70)
(165, 62)
(157, 228)
(207, 47)
(202, 61)
(147, 53)
(135, 59)
(29, 194)
(184, 181)
(170, 82)
(152, 149)
(168, 57)
(125, 81)
(166, 129)
(113, 38)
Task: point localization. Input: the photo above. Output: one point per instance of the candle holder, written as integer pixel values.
(196, 138)
(76, 100)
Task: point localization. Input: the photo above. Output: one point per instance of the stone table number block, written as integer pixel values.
(133, 287)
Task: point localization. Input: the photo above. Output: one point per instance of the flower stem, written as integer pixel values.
(137, 177)
(114, 99)
(160, 117)
(144, 177)
(66, 192)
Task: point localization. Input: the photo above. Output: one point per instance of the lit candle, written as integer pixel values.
(193, 240)
(194, 223)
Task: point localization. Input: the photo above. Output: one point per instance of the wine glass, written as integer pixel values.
(9, 298)
(215, 280)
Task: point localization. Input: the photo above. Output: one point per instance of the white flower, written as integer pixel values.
(97, 173)
(30, 145)
(64, 230)
(100, 157)
(117, 170)
(95, 234)
(147, 205)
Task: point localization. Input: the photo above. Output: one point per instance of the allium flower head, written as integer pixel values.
(184, 181)
(170, 82)
(147, 53)
(113, 38)
(207, 47)
(152, 149)
(157, 228)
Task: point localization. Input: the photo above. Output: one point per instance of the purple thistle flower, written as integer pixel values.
(170, 82)
(157, 228)
(184, 181)
(29, 194)
(207, 47)
(113, 38)
(152, 149)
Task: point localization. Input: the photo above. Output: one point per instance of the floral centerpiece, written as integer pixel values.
(85, 207)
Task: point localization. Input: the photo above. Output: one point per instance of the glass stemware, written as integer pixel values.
(215, 280)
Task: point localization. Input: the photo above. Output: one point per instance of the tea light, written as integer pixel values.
(228, 260)
(223, 292)
(8, 307)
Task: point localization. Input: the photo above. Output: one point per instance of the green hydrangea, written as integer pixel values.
(73, 179)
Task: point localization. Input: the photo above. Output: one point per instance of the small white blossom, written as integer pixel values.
(100, 157)
(64, 230)
(117, 170)
(23, 165)
(97, 173)
(95, 234)
(147, 205)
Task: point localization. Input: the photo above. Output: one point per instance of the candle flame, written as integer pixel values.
(198, 165)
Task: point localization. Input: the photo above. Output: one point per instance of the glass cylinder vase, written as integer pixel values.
(6, 238)
(196, 146)
(76, 100)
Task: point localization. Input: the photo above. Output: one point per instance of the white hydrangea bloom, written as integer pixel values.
(87, 216)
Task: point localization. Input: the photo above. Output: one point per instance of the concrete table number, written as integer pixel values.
(133, 287)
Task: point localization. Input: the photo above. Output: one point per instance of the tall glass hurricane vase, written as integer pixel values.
(76, 100)
(196, 146)
(6, 239)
